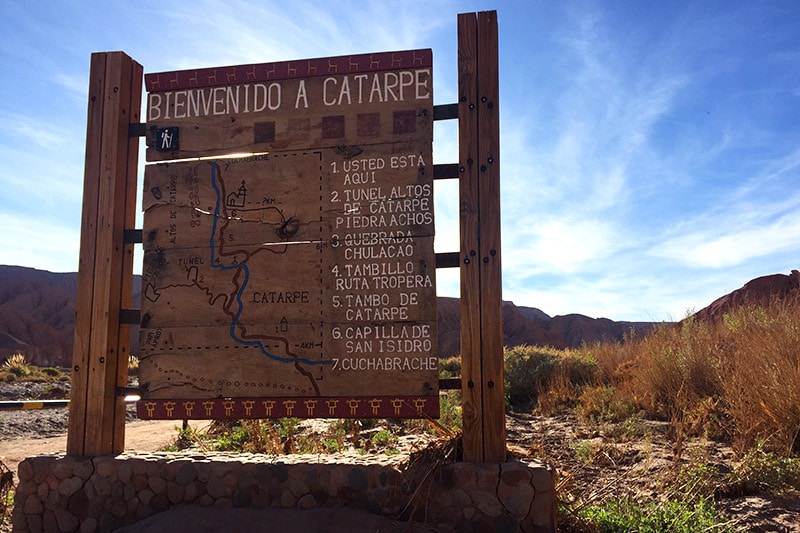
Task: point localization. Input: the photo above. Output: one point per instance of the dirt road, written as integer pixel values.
(140, 435)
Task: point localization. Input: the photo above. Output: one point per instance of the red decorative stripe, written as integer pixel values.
(298, 407)
(303, 68)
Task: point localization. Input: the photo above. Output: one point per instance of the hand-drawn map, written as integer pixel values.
(297, 279)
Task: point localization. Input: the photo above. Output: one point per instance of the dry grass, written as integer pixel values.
(737, 380)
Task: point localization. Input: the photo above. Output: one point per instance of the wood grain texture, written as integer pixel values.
(472, 392)
(308, 270)
(481, 287)
(97, 420)
(319, 111)
(494, 437)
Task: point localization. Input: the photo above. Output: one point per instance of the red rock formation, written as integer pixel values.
(756, 291)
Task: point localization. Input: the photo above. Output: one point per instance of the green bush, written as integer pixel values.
(624, 515)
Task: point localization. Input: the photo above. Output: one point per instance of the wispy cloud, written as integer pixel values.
(38, 241)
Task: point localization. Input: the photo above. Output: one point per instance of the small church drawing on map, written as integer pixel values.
(237, 199)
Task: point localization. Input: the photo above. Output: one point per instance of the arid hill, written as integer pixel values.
(37, 313)
(756, 291)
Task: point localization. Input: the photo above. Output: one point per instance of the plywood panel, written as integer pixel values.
(305, 271)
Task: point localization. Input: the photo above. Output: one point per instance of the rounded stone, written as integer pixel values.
(190, 493)
(25, 470)
(288, 500)
(66, 520)
(33, 505)
(125, 471)
(185, 474)
(157, 484)
(43, 490)
(89, 525)
(175, 493)
(102, 487)
(216, 488)
(357, 479)
(83, 469)
(307, 502)
(69, 486)
(146, 496)
(62, 470)
(298, 488)
(106, 469)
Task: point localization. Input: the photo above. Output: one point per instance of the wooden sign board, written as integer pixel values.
(299, 281)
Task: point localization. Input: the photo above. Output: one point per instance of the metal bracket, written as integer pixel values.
(137, 129)
(448, 260)
(445, 112)
(445, 171)
(130, 316)
(132, 236)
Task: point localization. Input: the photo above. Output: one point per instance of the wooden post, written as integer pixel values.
(483, 403)
(105, 273)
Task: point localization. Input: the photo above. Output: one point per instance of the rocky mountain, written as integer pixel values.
(37, 313)
(756, 291)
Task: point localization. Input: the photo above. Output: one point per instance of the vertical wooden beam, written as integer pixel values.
(483, 403)
(99, 363)
(471, 403)
(491, 285)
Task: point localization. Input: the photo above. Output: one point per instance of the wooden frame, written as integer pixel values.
(100, 355)
(483, 404)
(105, 274)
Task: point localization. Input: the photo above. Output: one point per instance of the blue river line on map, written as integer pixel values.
(243, 266)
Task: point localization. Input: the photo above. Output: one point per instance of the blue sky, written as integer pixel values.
(650, 150)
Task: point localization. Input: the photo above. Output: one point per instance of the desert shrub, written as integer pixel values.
(528, 369)
(17, 365)
(559, 395)
(52, 372)
(450, 410)
(450, 367)
(598, 404)
(673, 367)
(625, 514)
(761, 374)
(133, 365)
(548, 376)
(763, 471)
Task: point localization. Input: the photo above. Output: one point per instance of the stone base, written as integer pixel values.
(58, 493)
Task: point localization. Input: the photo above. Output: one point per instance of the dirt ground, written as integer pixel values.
(590, 462)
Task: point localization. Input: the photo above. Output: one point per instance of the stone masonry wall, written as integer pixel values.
(57, 493)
